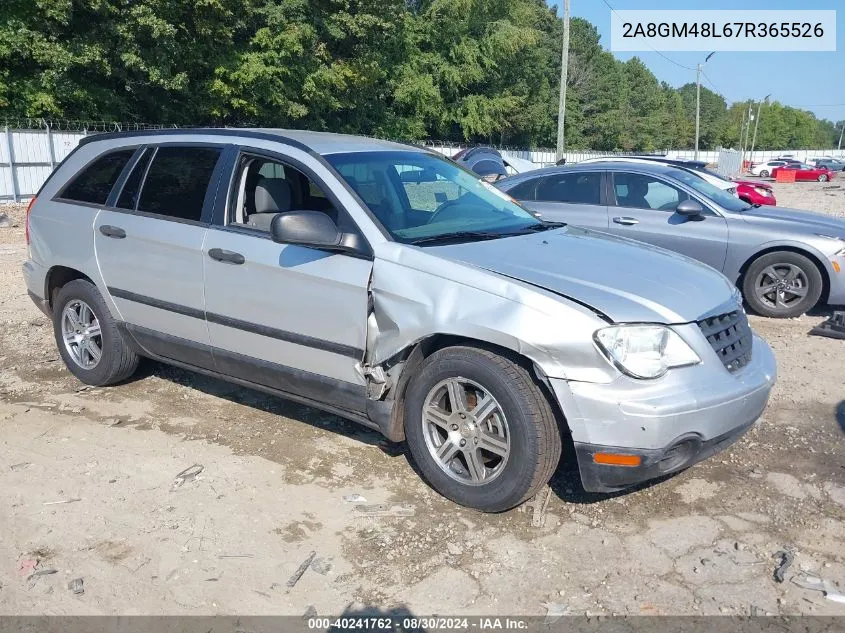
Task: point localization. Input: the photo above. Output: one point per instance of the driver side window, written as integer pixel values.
(639, 191)
(265, 187)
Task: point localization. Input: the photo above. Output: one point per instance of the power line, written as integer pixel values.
(818, 105)
(668, 59)
(710, 81)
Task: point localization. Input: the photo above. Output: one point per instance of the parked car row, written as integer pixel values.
(828, 162)
(820, 169)
(387, 284)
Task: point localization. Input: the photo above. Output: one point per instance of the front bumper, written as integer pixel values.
(670, 423)
(682, 453)
(836, 295)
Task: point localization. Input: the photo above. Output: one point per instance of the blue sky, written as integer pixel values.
(810, 81)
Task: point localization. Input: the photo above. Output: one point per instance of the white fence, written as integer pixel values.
(28, 156)
(544, 157)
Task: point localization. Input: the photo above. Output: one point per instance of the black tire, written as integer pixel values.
(811, 280)
(117, 361)
(535, 442)
(764, 173)
(822, 178)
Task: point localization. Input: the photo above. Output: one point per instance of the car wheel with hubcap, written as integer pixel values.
(764, 173)
(87, 336)
(782, 284)
(822, 177)
(480, 429)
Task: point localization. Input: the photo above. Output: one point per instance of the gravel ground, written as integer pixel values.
(87, 488)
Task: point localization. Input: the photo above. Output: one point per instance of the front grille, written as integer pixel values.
(730, 337)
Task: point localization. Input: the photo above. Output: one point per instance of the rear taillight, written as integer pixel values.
(26, 225)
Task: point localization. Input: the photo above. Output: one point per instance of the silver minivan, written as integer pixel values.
(384, 283)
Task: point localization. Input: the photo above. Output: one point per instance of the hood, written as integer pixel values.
(804, 221)
(624, 279)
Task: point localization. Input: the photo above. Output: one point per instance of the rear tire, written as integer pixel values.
(87, 336)
(822, 178)
(782, 285)
(450, 444)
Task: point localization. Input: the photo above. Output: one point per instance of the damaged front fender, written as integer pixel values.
(416, 295)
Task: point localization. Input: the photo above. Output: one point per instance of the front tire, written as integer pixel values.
(87, 336)
(764, 173)
(782, 285)
(480, 429)
(822, 178)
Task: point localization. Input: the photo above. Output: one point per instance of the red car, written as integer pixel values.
(755, 192)
(805, 172)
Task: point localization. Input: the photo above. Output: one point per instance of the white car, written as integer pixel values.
(712, 177)
(764, 170)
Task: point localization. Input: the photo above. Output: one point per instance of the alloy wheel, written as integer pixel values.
(81, 334)
(466, 431)
(781, 286)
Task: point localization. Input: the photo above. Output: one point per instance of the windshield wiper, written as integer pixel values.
(545, 225)
(756, 205)
(486, 235)
(458, 236)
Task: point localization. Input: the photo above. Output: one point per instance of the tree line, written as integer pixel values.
(462, 70)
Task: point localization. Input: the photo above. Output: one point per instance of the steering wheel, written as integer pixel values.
(439, 212)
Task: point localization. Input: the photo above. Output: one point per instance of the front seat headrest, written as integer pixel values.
(272, 195)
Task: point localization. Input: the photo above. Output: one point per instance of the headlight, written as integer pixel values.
(763, 192)
(644, 351)
(841, 241)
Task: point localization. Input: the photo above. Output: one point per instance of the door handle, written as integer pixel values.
(227, 257)
(627, 221)
(113, 231)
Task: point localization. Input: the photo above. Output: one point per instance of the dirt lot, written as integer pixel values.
(87, 489)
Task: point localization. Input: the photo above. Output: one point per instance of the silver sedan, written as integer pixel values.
(784, 261)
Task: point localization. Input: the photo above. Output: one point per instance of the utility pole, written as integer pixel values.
(840, 135)
(750, 115)
(757, 123)
(698, 100)
(564, 71)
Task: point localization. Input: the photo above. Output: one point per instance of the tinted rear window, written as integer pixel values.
(94, 183)
(177, 181)
(577, 187)
(524, 190)
(129, 195)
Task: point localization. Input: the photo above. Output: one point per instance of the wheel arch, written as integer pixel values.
(776, 248)
(414, 354)
(57, 277)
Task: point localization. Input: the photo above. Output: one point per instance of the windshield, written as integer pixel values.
(418, 197)
(719, 196)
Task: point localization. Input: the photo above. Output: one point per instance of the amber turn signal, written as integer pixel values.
(614, 459)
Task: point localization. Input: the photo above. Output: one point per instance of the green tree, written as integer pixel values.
(713, 113)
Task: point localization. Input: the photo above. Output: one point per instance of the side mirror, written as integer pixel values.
(689, 208)
(307, 228)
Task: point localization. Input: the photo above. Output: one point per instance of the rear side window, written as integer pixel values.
(524, 190)
(577, 187)
(94, 183)
(132, 187)
(177, 181)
